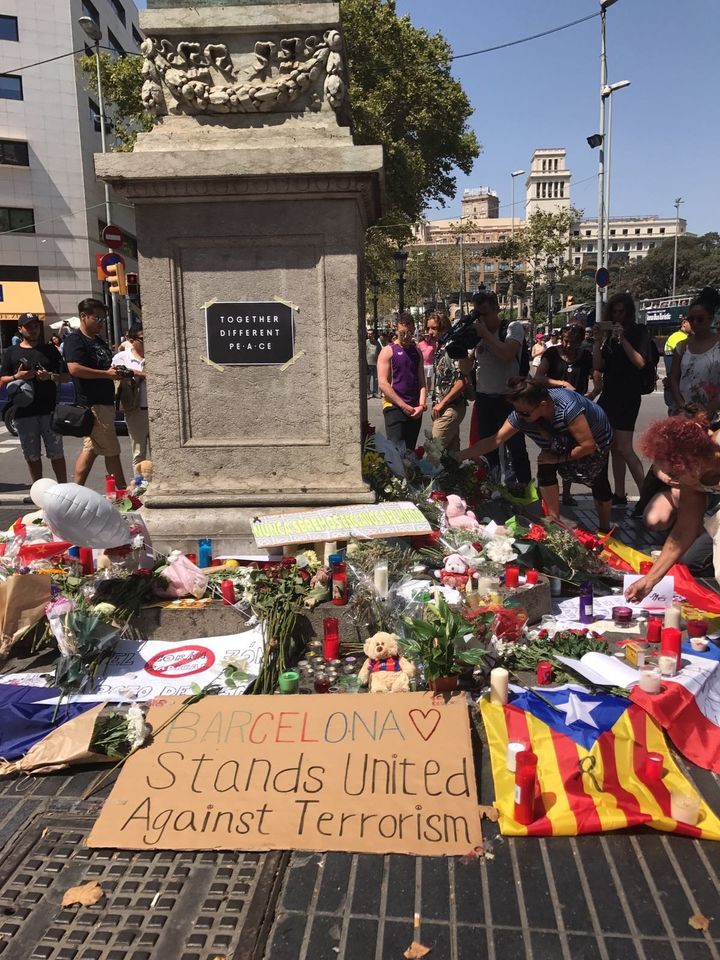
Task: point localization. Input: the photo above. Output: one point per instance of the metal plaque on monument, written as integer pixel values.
(251, 203)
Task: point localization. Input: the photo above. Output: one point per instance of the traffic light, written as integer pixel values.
(116, 279)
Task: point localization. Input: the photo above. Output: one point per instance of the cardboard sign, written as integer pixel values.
(250, 333)
(372, 774)
(661, 595)
(367, 522)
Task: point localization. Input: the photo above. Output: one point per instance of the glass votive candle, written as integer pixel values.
(697, 628)
(512, 575)
(322, 683)
(699, 644)
(667, 664)
(289, 681)
(684, 807)
(350, 683)
(654, 629)
(531, 577)
(349, 664)
(331, 635)
(317, 645)
(650, 679)
(622, 616)
(336, 664)
(544, 672)
(653, 768)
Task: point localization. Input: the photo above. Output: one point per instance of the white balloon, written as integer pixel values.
(84, 517)
(40, 488)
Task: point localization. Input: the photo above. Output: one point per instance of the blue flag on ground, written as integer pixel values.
(24, 720)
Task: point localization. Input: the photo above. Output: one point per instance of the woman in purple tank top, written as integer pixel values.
(401, 378)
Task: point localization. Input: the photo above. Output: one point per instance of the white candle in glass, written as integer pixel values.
(513, 749)
(499, 679)
(667, 664)
(381, 576)
(673, 617)
(684, 807)
(649, 679)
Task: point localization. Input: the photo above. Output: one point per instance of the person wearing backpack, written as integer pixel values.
(627, 357)
(498, 359)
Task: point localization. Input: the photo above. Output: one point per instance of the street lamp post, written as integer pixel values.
(94, 33)
(375, 290)
(607, 93)
(515, 173)
(678, 201)
(400, 257)
(604, 4)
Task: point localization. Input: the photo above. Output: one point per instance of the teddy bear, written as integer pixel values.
(458, 515)
(454, 572)
(385, 669)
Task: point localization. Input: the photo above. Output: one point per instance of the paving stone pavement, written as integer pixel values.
(618, 896)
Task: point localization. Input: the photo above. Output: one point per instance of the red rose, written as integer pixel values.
(419, 452)
(438, 496)
(481, 473)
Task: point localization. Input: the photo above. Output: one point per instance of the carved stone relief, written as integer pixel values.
(186, 78)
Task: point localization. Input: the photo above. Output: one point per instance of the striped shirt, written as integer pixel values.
(568, 407)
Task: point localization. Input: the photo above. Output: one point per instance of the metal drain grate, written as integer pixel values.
(157, 905)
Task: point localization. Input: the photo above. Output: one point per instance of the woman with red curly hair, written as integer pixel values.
(688, 455)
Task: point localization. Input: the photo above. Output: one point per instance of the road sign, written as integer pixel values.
(113, 236)
(602, 277)
(107, 260)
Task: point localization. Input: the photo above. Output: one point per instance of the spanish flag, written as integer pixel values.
(592, 751)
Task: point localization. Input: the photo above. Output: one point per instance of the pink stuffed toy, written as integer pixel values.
(458, 515)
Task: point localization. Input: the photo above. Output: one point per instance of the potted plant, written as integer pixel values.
(443, 642)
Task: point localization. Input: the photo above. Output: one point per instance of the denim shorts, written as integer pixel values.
(30, 430)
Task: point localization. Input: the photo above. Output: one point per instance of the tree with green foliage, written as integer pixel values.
(698, 265)
(122, 84)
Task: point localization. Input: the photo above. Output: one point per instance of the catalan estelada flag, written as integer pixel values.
(591, 751)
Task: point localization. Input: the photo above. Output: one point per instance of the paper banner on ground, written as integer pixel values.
(367, 774)
(368, 521)
(160, 668)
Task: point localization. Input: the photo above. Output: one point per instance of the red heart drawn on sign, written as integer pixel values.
(426, 720)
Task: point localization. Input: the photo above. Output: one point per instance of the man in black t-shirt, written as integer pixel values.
(89, 360)
(39, 365)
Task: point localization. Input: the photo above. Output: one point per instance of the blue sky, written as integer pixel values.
(666, 138)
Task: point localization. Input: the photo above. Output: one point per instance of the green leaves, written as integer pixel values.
(442, 642)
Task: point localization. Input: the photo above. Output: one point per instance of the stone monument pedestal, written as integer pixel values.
(251, 203)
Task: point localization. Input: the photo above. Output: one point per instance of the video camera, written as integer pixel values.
(462, 337)
(125, 372)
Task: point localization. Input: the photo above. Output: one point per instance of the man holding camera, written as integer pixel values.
(89, 360)
(36, 368)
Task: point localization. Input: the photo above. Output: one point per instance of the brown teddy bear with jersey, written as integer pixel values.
(385, 669)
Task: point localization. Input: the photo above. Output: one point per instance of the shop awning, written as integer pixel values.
(18, 297)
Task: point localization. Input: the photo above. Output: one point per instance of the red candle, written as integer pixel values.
(110, 488)
(525, 784)
(654, 630)
(653, 769)
(192, 557)
(697, 628)
(531, 576)
(544, 672)
(86, 561)
(671, 643)
(331, 638)
(512, 575)
(227, 589)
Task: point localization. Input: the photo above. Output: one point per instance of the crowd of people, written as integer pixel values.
(105, 379)
(577, 394)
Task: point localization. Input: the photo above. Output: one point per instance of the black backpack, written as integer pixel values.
(524, 355)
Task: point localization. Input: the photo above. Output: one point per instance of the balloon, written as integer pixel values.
(84, 517)
(40, 488)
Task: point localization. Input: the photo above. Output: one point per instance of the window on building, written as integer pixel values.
(577, 261)
(544, 190)
(17, 219)
(90, 10)
(626, 248)
(18, 274)
(613, 247)
(662, 229)
(649, 229)
(537, 191)
(588, 248)
(638, 246)
(556, 190)
(136, 35)
(556, 163)
(625, 233)
(119, 10)
(11, 87)
(612, 233)
(544, 166)
(576, 233)
(577, 249)
(115, 44)
(8, 28)
(637, 231)
(587, 233)
(562, 189)
(651, 245)
(14, 153)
